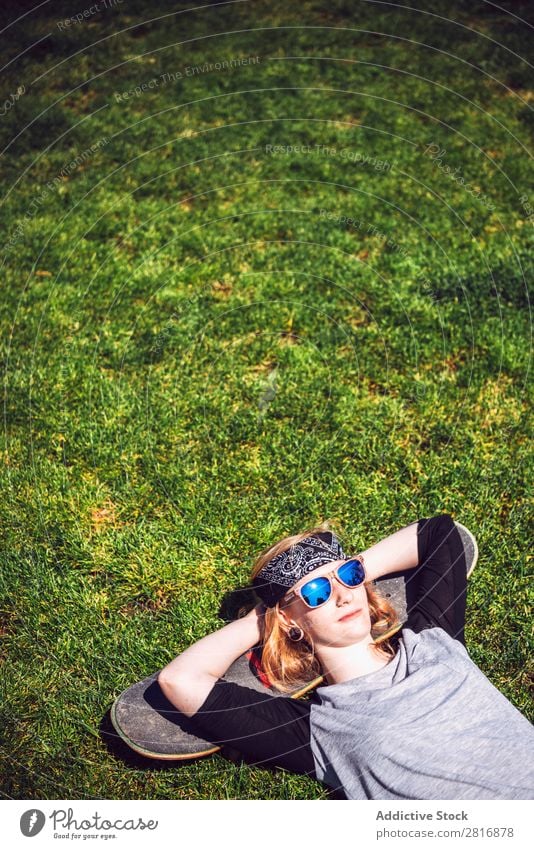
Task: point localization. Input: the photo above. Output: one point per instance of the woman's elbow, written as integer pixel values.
(186, 693)
(173, 686)
(163, 678)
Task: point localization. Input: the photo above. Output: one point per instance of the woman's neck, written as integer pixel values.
(342, 663)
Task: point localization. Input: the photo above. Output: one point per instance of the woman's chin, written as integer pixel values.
(350, 633)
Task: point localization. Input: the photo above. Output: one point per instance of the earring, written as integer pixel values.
(296, 634)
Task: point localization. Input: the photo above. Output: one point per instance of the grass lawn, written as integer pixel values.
(263, 264)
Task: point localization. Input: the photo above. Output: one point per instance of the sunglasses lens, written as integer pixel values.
(316, 592)
(352, 573)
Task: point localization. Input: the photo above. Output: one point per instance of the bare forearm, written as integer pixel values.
(188, 679)
(394, 553)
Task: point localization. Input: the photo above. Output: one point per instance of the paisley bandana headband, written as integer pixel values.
(283, 571)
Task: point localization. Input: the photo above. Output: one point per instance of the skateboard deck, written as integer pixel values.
(150, 725)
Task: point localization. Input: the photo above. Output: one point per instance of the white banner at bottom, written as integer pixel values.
(264, 824)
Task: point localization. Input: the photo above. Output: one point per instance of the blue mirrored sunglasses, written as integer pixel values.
(318, 590)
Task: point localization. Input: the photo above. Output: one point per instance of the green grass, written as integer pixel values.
(150, 294)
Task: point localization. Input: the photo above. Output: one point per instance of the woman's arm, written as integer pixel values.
(394, 553)
(188, 679)
(436, 592)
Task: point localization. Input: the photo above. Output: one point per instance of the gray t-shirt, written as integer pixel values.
(428, 725)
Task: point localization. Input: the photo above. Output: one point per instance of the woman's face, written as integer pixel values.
(341, 621)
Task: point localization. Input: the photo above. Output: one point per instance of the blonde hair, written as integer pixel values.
(289, 664)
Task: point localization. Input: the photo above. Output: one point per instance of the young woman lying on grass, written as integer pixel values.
(408, 716)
